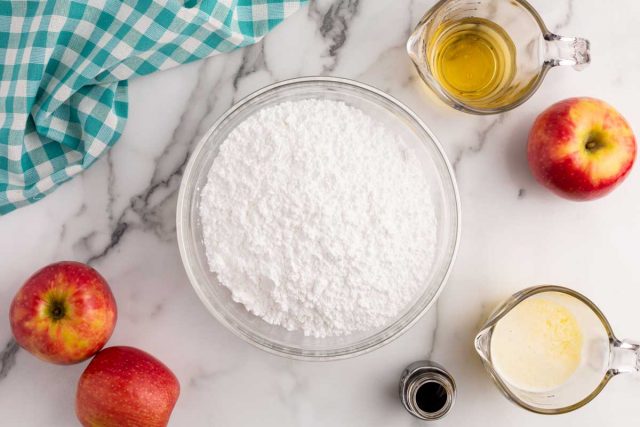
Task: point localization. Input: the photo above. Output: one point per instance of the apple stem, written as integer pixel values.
(57, 309)
(594, 142)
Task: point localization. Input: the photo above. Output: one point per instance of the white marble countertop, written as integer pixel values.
(120, 217)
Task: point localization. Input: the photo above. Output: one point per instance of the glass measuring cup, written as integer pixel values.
(603, 355)
(532, 51)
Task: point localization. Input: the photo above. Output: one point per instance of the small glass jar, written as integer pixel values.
(427, 390)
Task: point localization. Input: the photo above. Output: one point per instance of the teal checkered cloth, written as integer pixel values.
(64, 66)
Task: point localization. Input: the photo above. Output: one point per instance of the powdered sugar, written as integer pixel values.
(317, 218)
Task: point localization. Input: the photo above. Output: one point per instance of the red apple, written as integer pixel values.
(581, 148)
(64, 313)
(124, 386)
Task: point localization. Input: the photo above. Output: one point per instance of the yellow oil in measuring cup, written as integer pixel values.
(473, 59)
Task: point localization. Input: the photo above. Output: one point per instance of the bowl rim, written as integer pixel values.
(181, 211)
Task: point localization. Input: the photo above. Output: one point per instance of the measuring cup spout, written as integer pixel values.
(560, 50)
(482, 343)
(625, 357)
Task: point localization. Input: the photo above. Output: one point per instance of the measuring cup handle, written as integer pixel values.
(560, 50)
(625, 357)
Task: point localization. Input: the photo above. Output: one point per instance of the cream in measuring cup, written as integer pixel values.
(550, 350)
(538, 345)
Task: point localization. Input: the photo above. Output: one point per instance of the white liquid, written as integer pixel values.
(537, 346)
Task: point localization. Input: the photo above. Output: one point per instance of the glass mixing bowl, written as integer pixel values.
(276, 339)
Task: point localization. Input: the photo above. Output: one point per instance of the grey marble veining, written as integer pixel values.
(8, 358)
(334, 25)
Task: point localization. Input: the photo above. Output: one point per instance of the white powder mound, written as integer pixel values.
(318, 219)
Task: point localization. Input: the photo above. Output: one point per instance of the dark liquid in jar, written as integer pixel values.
(431, 397)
